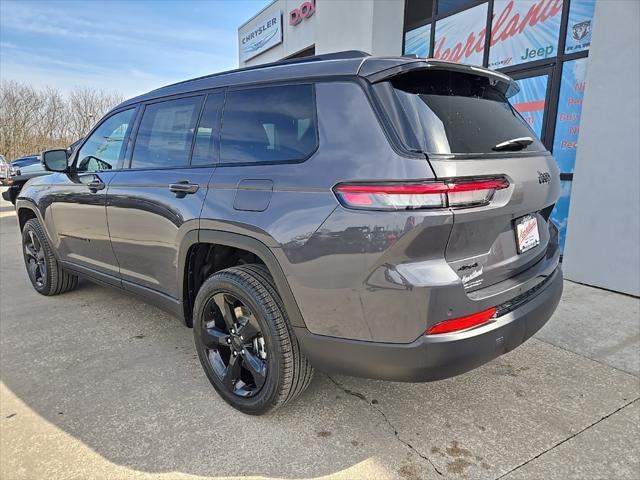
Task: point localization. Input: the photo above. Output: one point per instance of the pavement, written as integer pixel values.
(96, 384)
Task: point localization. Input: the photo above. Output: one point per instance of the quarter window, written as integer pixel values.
(165, 133)
(268, 124)
(103, 148)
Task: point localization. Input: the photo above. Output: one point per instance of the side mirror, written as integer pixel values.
(55, 160)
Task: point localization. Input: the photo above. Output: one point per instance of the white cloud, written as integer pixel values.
(114, 50)
(121, 30)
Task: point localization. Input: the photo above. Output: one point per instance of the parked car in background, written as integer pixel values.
(21, 171)
(4, 170)
(28, 162)
(216, 199)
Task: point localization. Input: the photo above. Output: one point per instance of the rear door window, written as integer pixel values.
(205, 151)
(443, 112)
(165, 133)
(269, 124)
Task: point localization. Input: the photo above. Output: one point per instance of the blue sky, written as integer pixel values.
(125, 46)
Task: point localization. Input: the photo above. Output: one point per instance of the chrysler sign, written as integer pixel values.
(260, 35)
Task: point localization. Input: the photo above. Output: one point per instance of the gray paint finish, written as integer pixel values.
(602, 246)
(376, 276)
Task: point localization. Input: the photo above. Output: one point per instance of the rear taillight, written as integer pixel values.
(462, 323)
(412, 196)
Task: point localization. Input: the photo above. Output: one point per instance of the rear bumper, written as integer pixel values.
(438, 356)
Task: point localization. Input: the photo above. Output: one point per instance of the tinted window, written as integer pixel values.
(103, 148)
(165, 133)
(205, 151)
(270, 124)
(445, 7)
(445, 112)
(417, 10)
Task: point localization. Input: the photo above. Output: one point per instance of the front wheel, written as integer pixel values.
(245, 343)
(46, 274)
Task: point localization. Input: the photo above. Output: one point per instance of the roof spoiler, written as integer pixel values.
(399, 66)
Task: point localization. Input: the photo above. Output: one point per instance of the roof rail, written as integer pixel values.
(344, 55)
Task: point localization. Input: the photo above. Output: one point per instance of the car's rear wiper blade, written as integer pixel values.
(514, 144)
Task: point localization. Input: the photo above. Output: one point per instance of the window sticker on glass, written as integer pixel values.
(572, 86)
(580, 25)
(461, 37)
(524, 31)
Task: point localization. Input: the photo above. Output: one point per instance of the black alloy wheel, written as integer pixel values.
(45, 273)
(35, 260)
(246, 346)
(234, 344)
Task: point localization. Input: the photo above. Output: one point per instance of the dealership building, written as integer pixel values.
(577, 66)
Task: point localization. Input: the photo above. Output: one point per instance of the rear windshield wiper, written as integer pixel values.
(514, 144)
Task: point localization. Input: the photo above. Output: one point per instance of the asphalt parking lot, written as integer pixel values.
(97, 384)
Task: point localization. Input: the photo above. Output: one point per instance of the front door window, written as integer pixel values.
(104, 147)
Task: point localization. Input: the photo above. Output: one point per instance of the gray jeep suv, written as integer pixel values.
(386, 217)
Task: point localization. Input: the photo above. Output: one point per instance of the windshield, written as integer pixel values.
(442, 112)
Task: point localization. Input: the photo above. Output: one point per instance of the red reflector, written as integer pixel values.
(462, 323)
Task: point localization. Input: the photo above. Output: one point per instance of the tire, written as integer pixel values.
(45, 273)
(249, 297)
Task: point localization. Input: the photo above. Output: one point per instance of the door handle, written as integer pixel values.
(95, 185)
(184, 187)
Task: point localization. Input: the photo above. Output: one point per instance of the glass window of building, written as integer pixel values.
(572, 88)
(530, 101)
(418, 41)
(579, 26)
(461, 37)
(567, 128)
(416, 11)
(524, 31)
(447, 7)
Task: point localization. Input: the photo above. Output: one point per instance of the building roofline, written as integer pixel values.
(256, 15)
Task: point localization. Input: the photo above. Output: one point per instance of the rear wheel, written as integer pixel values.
(46, 274)
(245, 343)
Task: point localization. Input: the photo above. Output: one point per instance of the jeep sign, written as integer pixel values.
(260, 35)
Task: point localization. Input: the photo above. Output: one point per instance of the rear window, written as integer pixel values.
(442, 112)
(268, 124)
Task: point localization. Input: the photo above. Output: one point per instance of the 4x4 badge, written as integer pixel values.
(543, 177)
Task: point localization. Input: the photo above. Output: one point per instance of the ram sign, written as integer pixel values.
(260, 35)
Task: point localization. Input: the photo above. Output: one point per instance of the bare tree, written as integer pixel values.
(33, 120)
(85, 107)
